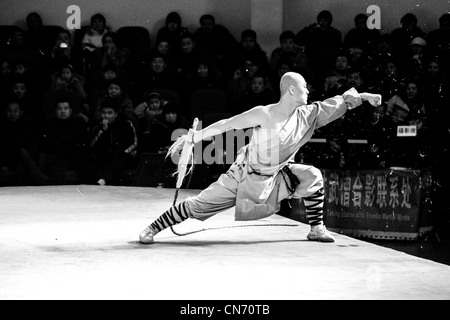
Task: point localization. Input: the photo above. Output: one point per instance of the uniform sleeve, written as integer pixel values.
(334, 108)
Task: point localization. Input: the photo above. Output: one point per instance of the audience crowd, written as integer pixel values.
(83, 107)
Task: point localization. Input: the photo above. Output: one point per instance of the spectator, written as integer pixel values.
(172, 31)
(110, 54)
(361, 36)
(402, 37)
(240, 83)
(159, 76)
(289, 51)
(114, 144)
(165, 48)
(321, 41)
(436, 90)
(416, 58)
(163, 127)
(187, 55)
(66, 78)
(406, 108)
(249, 48)
(337, 76)
(63, 146)
(216, 42)
(18, 148)
(203, 76)
(18, 51)
(439, 41)
(21, 92)
(145, 112)
(62, 53)
(93, 38)
(34, 35)
(259, 93)
(116, 97)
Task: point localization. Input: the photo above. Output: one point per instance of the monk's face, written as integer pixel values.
(301, 90)
(295, 85)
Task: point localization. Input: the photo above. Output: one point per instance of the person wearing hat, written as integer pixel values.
(145, 112)
(416, 60)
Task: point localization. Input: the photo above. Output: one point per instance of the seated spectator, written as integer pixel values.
(203, 76)
(436, 90)
(439, 41)
(62, 53)
(20, 91)
(93, 38)
(167, 50)
(321, 41)
(361, 36)
(163, 128)
(337, 76)
(110, 54)
(114, 144)
(66, 78)
(34, 35)
(187, 55)
(172, 31)
(240, 83)
(150, 107)
(63, 146)
(402, 37)
(416, 58)
(216, 42)
(117, 97)
(390, 80)
(158, 76)
(259, 94)
(145, 112)
(18, 148)
(249, 48)
(289, 51)
(404, 109)
(17, 50)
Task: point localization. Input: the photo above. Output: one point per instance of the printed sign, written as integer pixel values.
(392, 203)
(406, 131)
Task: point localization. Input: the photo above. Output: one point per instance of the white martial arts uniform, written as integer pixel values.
(256, 183)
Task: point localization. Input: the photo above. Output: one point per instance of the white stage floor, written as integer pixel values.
(81, 242)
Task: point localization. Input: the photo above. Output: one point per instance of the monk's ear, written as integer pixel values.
(291, 89)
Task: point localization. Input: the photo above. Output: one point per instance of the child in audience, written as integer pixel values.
(94, 35)
(114, 144)
(117, 96)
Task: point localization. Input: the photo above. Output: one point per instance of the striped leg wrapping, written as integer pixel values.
(314, 207)
(173, 216)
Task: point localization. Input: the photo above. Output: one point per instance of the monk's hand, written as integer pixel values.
(373, 99)
(191, 136)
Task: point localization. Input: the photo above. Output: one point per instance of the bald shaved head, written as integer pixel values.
(291, 79)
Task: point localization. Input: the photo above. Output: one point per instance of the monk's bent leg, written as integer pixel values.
(311, 190)
(219, 196)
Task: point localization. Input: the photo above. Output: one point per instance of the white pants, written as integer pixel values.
(221, 195)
